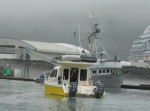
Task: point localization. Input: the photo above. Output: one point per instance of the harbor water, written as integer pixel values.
(29, 96)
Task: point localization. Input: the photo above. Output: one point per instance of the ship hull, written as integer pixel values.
(56, 90)
(110, 80)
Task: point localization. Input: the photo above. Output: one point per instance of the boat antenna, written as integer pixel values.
(79, 41)
(76, 41)
(93, 16)
(80, 44)
(79, 34)
(118, 55)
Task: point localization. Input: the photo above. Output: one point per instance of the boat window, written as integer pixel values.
(110, 70)
(137, 43)
(51, 75)
(54, 73)
(100, 71)
(119, 71)
(73, 74)
(66, 74)
(113, 71)
(83, 74)
(116, 71)
(103, 70)
(107, 70)
(94, 71)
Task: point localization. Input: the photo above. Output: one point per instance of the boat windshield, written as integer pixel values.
(54, 73)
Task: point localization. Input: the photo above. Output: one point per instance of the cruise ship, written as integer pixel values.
(140, 50)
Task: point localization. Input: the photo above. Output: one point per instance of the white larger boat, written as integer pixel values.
(108, 72)
(70, 79)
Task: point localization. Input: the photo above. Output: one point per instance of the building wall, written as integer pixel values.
(16, 42)
(5, 56)
(11, 53)
(140, 64)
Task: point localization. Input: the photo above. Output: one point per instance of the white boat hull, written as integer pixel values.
(110, 80)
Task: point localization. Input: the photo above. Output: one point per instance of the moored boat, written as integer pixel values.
(108, 72)
(40, 79)
(71, 79)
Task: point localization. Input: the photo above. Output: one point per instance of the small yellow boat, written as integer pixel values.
(70, 79)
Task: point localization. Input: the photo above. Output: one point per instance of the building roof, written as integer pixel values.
(56, 47)
(62, 48)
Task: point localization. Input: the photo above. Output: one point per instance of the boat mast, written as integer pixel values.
(94, 42)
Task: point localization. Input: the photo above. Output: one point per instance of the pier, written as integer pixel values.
(140, 86)
(17, 78)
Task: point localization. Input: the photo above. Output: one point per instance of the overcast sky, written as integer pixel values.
(121, 21)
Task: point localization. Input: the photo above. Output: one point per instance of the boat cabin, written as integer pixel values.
(69, 72)
(104, 71)
(106, 67)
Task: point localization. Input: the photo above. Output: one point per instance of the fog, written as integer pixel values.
(121, 21)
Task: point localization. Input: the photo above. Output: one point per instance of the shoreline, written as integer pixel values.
(37, 67)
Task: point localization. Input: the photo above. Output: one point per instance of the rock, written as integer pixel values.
(136, 72)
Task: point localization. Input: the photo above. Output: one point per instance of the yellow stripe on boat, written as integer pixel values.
(55, 90)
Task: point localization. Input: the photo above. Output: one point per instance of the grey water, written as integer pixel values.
(29, 96)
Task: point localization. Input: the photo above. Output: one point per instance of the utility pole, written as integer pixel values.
(26, 69)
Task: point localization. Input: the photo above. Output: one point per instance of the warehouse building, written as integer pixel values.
(11, 48)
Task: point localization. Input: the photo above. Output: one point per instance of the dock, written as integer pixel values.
(140, 86)
(17, 78)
